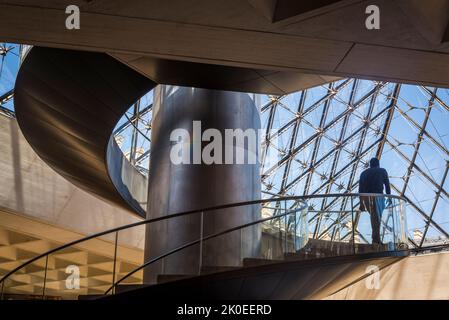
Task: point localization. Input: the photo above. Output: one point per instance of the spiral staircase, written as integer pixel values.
(74, 99)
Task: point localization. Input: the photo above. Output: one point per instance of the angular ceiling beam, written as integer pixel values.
(279, 10)
(430, 18)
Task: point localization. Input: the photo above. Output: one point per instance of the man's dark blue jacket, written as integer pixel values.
(374, 179)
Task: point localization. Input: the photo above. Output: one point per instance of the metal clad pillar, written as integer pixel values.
(176, 188)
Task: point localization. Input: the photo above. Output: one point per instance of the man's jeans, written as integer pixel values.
(375, 206)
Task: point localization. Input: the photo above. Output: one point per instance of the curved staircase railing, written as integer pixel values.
(93, 266)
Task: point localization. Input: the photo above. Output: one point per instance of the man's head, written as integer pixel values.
(374, 163)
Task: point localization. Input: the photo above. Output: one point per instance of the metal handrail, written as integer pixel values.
(437, 247)
(189, 212)
(192, 243)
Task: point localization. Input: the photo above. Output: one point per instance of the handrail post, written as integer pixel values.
(295, 233)
(115, 262)
(200, 260)
(241, 247)
(402, 220)
(45, 277)
(3, 287)
(393, 213)
(353, 225)
(285, 228)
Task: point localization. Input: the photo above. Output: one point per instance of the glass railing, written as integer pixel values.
(132, 133)
(128, 160)
(344, 224)
(274, 230)
(127, 179)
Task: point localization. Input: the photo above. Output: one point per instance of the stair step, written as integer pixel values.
(127, 287)
(366, 248)
(215, 269)
(300, 256)
(253, 262)
(321, 248)
(91, 296)
(163, 278)
(118, 289)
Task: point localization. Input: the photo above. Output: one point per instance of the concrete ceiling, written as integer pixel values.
(279, 10)
(329, 38)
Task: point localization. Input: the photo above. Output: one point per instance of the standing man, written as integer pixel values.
(373, 180)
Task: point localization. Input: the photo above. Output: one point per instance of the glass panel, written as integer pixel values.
(130, 255)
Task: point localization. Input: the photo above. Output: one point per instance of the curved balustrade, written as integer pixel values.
(132, 133)
(289, 229)
(127, 179)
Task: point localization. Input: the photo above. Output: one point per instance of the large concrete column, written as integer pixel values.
(176, 188)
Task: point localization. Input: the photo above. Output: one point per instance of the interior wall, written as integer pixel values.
(422, 277)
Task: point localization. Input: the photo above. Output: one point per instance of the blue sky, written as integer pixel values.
(10, 64)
